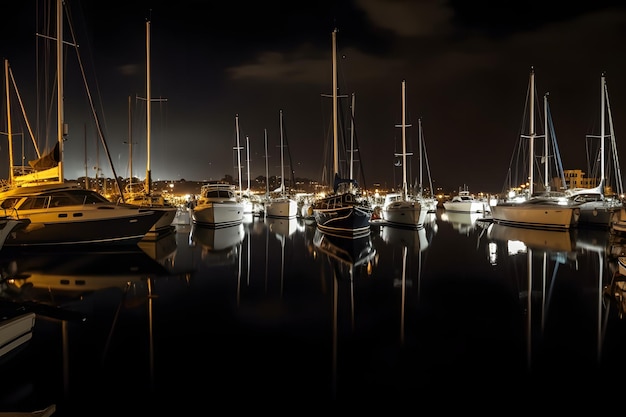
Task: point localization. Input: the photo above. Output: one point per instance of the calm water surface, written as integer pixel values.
(272, 313)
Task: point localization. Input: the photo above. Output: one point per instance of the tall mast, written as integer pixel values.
(531, 131)
(248, 160)
(404, 185)
(60, 113)
(267, 173)
(130, 143)
(282, 163)
(352, 139)
(238, 151)
(335, 131)
(148, 110)
(547, 137)
(9, 125)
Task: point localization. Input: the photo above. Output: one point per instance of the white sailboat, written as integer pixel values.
(252, 204)
(283, 205)
(548, 210)
(399, 209)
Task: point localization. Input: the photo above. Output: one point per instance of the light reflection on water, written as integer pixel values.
(273, 308)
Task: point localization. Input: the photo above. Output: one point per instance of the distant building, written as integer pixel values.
(575, 178)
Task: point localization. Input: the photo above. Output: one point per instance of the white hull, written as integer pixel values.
(224, 213)
(535, 214)
(405, 213)
(166, 221)
(466, 206)
(218, 206)
(284, 208)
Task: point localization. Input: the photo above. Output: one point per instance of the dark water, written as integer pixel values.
(272, 317)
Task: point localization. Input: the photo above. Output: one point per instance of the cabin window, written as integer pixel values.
(9, 203)
(34, 203)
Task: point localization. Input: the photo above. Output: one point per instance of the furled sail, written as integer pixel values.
(49, 160)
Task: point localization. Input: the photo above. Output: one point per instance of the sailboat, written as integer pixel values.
(400, 209)
(283, 205)
(252, 204)
(62, 213)
(144, 196)
(545, 210)
(600, 204)
(344, 212)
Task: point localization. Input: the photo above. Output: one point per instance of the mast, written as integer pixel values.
(546, 184)
(130, 144)
(335, 128)
(531, 131)
(238, 151)
(405, 189)
(60, 113)
(282, 163)
(148, 110)
(267, 174)
(248, 161)
(9, 125)
(420, 136)
(404, 185)
(352, 140)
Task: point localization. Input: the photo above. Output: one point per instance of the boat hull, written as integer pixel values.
(466, 206)
(283, 208)
(218, 214)
(85, 225)
(165, 223)
(543, 216)
(404, 214)
(597, 214)
(344, 221)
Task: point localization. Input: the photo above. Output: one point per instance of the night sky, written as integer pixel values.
(466, 66)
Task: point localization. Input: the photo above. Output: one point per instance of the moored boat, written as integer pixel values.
(344, 212)
(217, 206)
(547, 209)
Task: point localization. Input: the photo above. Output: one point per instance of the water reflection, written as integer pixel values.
(549, 258)
(219, 245)
(387, 315)
(56, 278)
(554, 240)
(464, 223)
(162, 249)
